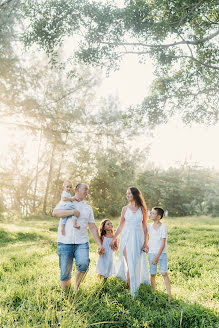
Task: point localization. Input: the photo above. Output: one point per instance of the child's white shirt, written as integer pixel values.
(155, 238)
(63, 195)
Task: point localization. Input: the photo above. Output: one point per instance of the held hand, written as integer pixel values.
(112, 244)
(155, 260)
(145, 248)
(101, 250)
(116, 245)
(76, 213)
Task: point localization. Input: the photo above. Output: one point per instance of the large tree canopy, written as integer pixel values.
(180, 36)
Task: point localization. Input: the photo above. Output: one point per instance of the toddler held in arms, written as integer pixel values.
(66, 203)
(105, 264)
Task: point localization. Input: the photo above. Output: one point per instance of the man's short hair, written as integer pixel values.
(159, 211)
(78, 186)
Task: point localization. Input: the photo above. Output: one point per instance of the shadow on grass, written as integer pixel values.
(109, 304)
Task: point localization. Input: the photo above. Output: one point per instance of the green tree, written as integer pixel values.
(179, 36)
(115, 173)
(188, 190)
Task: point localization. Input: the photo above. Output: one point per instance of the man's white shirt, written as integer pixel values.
(73, 235)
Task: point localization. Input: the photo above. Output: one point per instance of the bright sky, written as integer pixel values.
(174, 142)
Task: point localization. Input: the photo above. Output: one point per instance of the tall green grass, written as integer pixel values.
(30, 295)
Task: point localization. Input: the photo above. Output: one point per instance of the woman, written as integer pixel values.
(133, 240)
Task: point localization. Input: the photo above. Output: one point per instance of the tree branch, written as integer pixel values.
(196, 42)
(5, 3)
(176, 57)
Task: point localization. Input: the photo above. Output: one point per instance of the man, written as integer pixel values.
(74, 244)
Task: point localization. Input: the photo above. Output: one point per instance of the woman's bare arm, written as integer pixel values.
(144, 226)
(120, 227)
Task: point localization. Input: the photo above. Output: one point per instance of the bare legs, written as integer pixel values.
(75, 224)
(167, 283)
(79, 276)
(128, 277)
(65, 284)
(153, 282)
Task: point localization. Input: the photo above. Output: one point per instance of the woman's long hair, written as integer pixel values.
(102, 231)
(138, 198)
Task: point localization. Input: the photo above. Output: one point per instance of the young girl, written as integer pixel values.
(66, 203)
(105, 264)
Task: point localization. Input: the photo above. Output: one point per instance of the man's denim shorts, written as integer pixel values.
(66, 253)
(162, 263)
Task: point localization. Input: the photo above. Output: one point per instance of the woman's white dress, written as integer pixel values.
(132, 238)
(106, 262)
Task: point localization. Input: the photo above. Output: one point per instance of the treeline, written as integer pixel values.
(187, 190)
(183, 191)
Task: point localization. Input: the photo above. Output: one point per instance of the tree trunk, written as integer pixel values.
(54, 201)
(37, 173)
(49, 178)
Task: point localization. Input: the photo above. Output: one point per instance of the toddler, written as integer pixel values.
(66, 203)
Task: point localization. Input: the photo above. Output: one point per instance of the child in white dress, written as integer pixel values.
(106, 263)
(66, 203)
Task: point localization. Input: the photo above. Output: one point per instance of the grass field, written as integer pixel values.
(30, 295)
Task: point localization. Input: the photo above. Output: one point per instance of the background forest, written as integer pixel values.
(60, 129)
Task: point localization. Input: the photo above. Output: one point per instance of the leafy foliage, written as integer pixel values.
(179, 36)
(114, 174)
(184, 191)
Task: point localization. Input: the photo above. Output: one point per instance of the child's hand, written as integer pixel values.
(145, 248)
(155, 260)
(112, 244)
(100, 250)
(115, 246)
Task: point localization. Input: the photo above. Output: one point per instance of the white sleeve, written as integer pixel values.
(164, 232)
(91, 216)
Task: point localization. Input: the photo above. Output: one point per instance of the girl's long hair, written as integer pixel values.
(138, 198)
(102, 231)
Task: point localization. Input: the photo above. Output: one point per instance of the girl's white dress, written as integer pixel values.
(106, 263)
(132, 238)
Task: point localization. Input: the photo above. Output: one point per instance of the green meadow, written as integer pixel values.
(30, 295)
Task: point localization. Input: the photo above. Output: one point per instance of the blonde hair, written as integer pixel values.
(67, 182)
